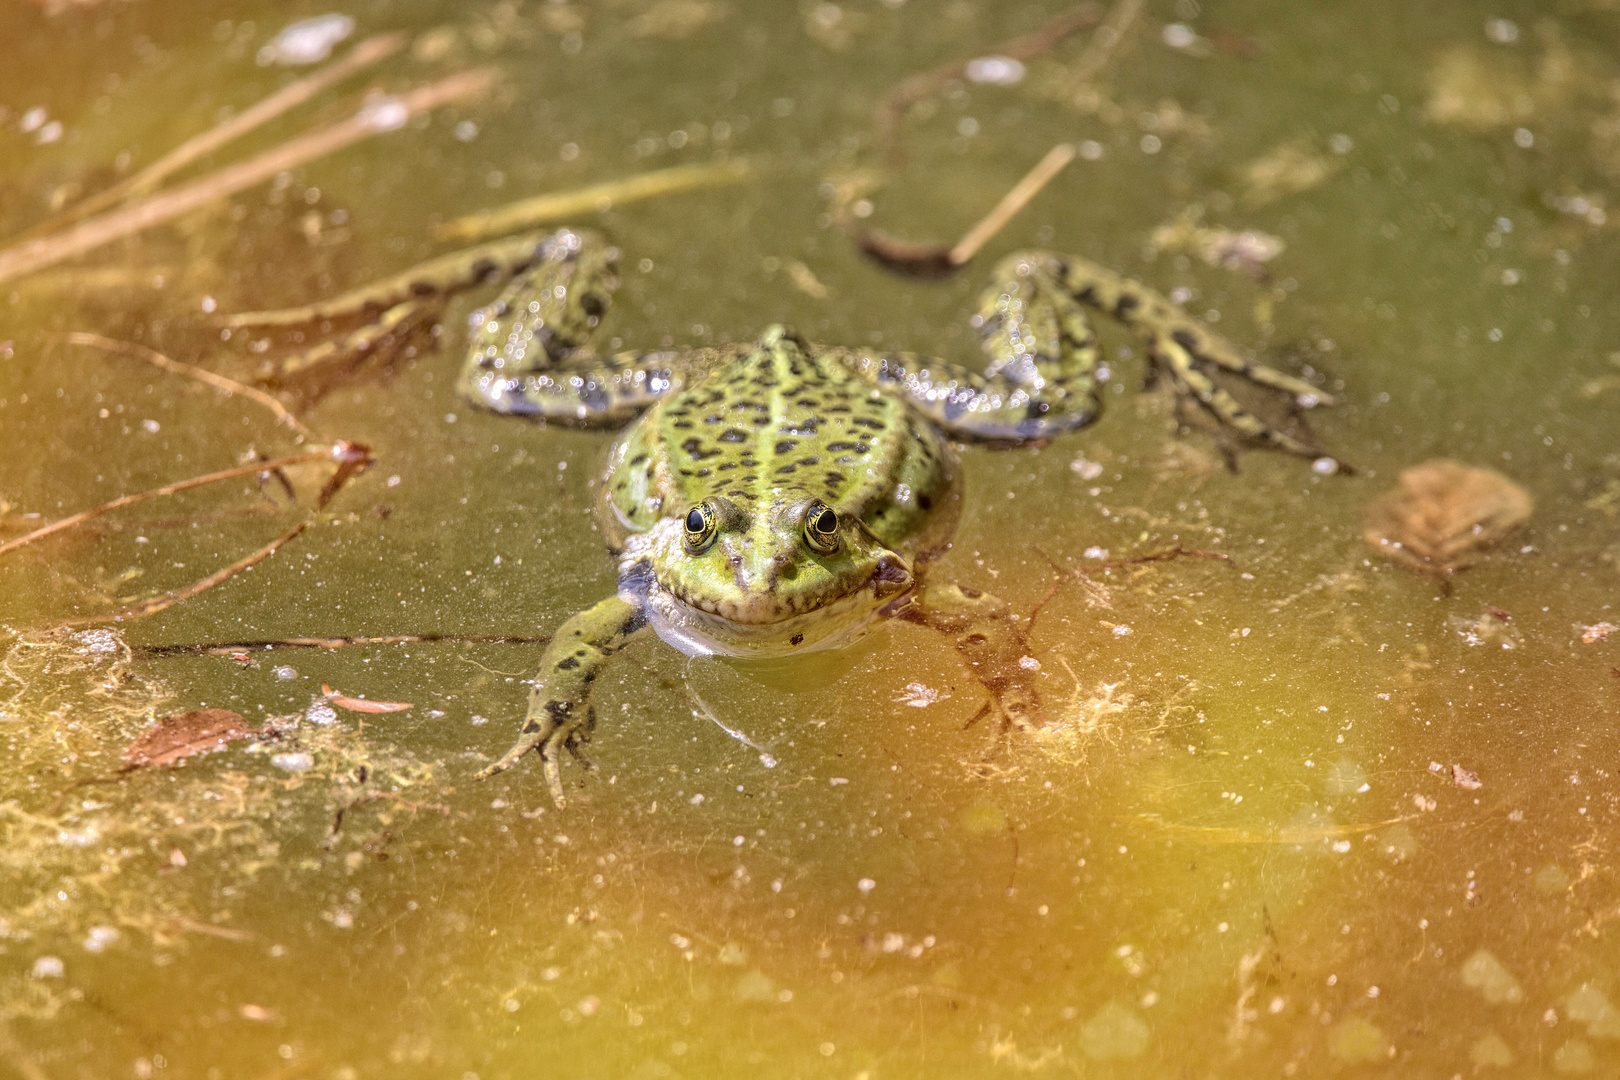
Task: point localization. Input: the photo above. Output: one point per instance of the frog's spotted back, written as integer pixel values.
(784, 424)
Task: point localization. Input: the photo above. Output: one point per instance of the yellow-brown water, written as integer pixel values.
(1239, 849)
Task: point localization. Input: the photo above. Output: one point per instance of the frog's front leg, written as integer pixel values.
(560, 713)
(991, 640)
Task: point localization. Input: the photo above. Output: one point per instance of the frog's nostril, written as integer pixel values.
(890, 576)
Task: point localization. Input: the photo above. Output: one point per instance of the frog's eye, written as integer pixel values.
(700, 529)
(821, 528)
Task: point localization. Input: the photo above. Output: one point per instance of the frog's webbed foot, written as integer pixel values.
(990, 638)
(560, 715)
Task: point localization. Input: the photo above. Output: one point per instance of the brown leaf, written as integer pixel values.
(354, 704)
(1465, 779)
(1443, 515)
(178, 737)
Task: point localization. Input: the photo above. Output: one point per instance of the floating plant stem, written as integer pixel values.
(164, 206)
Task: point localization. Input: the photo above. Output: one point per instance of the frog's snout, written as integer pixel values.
(890, 577)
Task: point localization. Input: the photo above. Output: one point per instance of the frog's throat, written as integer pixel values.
(696, 632)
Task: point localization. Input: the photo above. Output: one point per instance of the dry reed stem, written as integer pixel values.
(1100, 49)
(541, 209)
(369, 52)
(169, 489)
(164, 206)
(353, 458)
(233, 648)
(1012, 202)
(190, 371)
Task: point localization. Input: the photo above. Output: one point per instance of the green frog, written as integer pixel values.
(780, 496)
(783, 496)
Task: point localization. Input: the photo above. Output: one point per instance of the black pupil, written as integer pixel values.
(694, 521)
(826, 521)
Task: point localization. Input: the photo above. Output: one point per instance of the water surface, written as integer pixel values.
(1248, 842)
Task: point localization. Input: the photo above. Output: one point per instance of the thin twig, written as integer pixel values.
(542, 209)
(897, 102)
(357, 458)
(190, 371)
(367, 53)
(1087, 571)
(170, 489)
(1012, 202)
(1100, 49)
(374, 119)
(230, 648)
(224, 933)
(936, 260)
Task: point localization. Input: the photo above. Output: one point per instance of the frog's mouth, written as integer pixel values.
(763, 629)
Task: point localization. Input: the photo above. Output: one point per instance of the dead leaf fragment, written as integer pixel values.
(354, 704)
(1597, 632)
(183, 735)
(1466, 88)
(1468, 781)
(1285, 170)
(675, 20)
(1442, 515)
(1247, 251)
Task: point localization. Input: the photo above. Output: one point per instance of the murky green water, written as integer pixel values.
(1240, 848)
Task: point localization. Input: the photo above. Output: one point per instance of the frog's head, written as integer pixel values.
(786, 576)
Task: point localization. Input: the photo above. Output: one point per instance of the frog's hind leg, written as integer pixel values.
(1041, 379)
(401, 307)
(528, 350)
(560, 714)
(315, 367)
(437, 277)
(1180, 347)
(547, 312)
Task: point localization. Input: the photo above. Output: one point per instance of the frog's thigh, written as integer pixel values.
(559, 702)
(991, 640)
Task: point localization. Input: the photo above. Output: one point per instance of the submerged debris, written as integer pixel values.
(354, 704)
(1288, 169)
(308, 41)
(1443, 515)
(1489, 629)
(1247, 251)
(184, 735)
(1590, 635)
